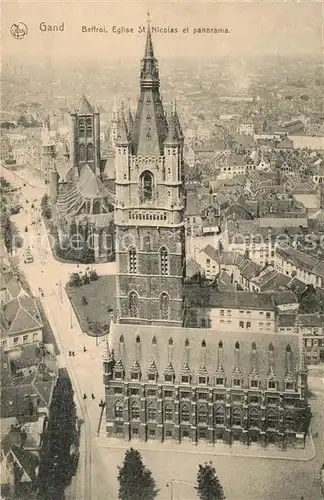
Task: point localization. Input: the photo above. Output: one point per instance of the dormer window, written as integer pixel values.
(118, 374)
(220, 381)
(254, 384)
(151, 377)
(290, 386)
(134, 375)
(168, 378)
(272, 385)
(185, 379)
(237, 382)
(202, 380)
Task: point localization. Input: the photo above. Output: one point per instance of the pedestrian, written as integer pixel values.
(70, 353)
(84, 396)
(73, 353)
(84, 349)
(92, 395)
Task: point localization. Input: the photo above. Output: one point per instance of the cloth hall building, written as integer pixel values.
(163, 381)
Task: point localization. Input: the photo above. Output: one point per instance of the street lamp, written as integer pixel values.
(170, 484)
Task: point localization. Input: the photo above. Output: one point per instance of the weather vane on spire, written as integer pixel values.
(148, 20)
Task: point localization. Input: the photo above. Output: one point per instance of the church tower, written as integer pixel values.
(149, 207)
(85, 138)
(114, 124)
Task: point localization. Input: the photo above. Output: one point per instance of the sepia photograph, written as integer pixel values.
(162, 250)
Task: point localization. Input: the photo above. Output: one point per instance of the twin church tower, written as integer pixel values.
(149, 208)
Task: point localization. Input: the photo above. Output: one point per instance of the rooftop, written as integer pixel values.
(174, 348)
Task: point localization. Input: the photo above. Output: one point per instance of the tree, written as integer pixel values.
(84, 300)
(85, 279)
(208, 485)
(56, 461)
(135, 480)
(44, 201)
(93, 275)
(75, 280)
(47, 212)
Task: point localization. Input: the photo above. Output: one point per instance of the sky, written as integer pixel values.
(255, 28)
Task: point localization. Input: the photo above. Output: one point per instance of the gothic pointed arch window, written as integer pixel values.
(219, 416)
(236, 417)
(151, 411)
(82, 152)
(82, 126)
(164, 306)
(254, 418)
(168, 413)
(133, 304)
(89, 127)
(164, 261)
(203, 415)
(132, 260)
(90, 152)
(135, 411)
(271, 419)
(185, 413)
(119, 409)
(289, 421)
(147, 182)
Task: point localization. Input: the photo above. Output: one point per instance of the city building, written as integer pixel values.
(203, 385)
(246, 128)
(82, 200)
(20, 319)
(295, 263)
(149, 208)
(312, 329)
(48, 148)
(5, 148)
(163, 380)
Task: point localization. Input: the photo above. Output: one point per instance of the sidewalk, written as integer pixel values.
(222, 449)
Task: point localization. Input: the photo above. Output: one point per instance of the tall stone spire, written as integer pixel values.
(172, 138)
(122, 130)
(150, 126)
(177, 122)
(130, 119)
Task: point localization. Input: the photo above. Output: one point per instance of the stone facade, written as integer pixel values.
(149, 208)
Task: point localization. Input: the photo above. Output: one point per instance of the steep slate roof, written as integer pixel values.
(297, 286)
(245, 300)
(302, 260)
(285, 297)
(137, 346)
(85, 107)
(211, 252)
(306, 320)
(21, 315)
(192, 204)
(272, 280)
(150, 125)
(89, 185)
(249, 269)
(192, 268)
(14, 288)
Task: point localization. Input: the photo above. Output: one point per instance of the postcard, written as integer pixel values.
(162, 262)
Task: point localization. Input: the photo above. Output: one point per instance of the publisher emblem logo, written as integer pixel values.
(19, 30)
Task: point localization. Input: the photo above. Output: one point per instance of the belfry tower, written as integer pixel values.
(85, 138)
(149, 207)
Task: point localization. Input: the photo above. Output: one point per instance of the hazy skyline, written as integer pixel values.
(264, 28)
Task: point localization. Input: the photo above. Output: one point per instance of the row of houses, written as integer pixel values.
(28, 378)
